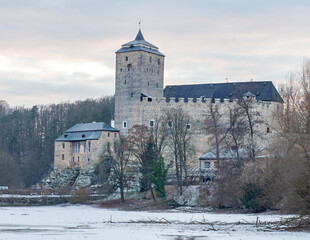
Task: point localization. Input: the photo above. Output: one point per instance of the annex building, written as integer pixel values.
(83, 143)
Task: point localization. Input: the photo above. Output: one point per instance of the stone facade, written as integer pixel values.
(198, 109)
(137, 72)
(76, 151)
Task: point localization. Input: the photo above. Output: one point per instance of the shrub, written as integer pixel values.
(252, 197)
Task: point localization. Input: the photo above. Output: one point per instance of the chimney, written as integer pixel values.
(112, 123)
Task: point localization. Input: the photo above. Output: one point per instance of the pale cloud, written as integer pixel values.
(53, 51)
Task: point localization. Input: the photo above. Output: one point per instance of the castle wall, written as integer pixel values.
(198, 109)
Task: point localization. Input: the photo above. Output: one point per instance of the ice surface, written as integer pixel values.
(86, 222)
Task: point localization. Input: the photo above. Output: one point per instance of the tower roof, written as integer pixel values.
(139, 36)
(139, 44)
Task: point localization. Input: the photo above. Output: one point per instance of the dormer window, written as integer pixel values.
(83, 135)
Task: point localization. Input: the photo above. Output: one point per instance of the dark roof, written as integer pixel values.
(85, 131)
(224, 154)
(139, 36)
(79, 136)
(94, 126)
(264, 91)
(139, 44)
(231, 154)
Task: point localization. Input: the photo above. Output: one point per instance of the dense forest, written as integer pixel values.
(27, 136)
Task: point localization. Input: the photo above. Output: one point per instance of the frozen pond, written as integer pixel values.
(86, 222)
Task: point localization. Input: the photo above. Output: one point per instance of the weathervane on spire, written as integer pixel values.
(140, 24)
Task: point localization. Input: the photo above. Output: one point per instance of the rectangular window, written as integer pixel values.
(84, 146)
(115, 134)
(170, 124)
(115, 146)
(78, 158)
(152, 123)
(207, 165)
(108, 134)
(79, 147)
(188, 126)
(89, 145)
(63, 145)
(124, 124)
(63, 157)
(108, 145)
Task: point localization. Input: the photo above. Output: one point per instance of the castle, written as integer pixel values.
(140, 98)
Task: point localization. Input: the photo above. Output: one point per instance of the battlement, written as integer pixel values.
(201, 100)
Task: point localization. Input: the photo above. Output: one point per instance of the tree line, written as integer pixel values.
(27, 136)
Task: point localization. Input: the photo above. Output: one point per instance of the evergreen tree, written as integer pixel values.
(158, 176)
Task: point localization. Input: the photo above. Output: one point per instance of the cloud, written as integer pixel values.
(58, 50)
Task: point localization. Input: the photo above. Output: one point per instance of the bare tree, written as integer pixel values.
(116, 166)
(252, 119)
(216, 127)
(159, 134)
(236, 130)
(179, 138)
(139, 140)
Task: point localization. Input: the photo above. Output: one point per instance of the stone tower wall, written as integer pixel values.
(136, 72)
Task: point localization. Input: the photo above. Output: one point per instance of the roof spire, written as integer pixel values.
(140, 24)
(139, 36)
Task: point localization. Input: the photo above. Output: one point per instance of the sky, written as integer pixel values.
(54, 51)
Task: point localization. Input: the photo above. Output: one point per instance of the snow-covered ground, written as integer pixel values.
(86, 222)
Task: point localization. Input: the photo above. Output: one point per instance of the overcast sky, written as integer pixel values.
(54, 51)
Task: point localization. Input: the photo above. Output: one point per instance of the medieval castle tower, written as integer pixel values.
(139, 73)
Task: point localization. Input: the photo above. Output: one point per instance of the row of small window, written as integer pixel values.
(73, 159)
(115, 134)
(150, 59)
(76, 147)
(148, 83)
(152, 124)
(129, 68)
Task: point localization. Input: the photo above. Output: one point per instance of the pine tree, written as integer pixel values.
(158, 176)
